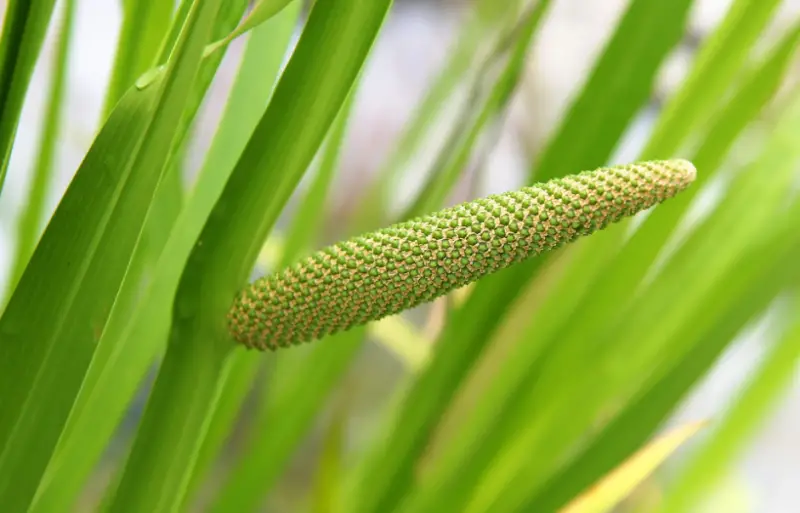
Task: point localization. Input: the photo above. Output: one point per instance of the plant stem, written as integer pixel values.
(156, 476)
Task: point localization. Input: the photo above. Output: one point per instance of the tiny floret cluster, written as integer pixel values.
(385, 272)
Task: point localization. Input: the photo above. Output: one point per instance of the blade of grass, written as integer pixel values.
(478, 113)
(619, 483)
(765, 386)
(81, 262)
(171, 37)
(388, 472)
(262, 11)
(626, 271)
(301, 234)
(125, 127)
(645, 333)
(716, 145)
(552, 322)
(169, 196)
(765, 270)
(719, 60)
(144, 25)
(618, 87)
(326, 494)
(239, 383)
(165, 210)
(30, 222)
(120, 365)
(293, 403)
(481, 21)
(308, 97)
(24, 28)
(229, 15)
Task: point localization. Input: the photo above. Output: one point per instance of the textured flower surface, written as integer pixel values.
(385, 272)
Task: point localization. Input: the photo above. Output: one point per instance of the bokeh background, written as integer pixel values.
(413, 46)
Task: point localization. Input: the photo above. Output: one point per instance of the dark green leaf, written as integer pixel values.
(24, 28)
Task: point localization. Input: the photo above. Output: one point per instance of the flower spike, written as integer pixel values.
(387, 271)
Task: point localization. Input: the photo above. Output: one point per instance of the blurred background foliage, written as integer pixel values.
(651, 367)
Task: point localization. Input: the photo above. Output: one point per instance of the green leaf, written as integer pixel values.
(24, 28)
(646, 331)
(712, 73)
(300, 399)
(144, 25)
(178, 21)
(309, 215)
(656, 26)
(618, 87)
(61, 263)
(595, 292)
(238, 383)
(293, 403)
(261, 12)
(614, 487)
(326, 493)
(764, 387)
(629, 267)
(751, 287)
(30, 222)
(481, 23)
(482, 108)
(131, 343)
(81, 262)
(230, 12)
(327, 60)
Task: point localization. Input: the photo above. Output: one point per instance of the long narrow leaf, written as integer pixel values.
(481, 110)
(763, 389)
(293, 405)
(144, 25)
(262, 11)
(47, 343)
(22, 321)
(646, 329)
(616, 485)
(470, 327)
(121, 363)
(319, 76)
(481, 23)
(24, 28)
(30, 222)
(753, 286)
(719, 60)
(595, 297)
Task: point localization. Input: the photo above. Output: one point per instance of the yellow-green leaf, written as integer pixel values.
(618, 484)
